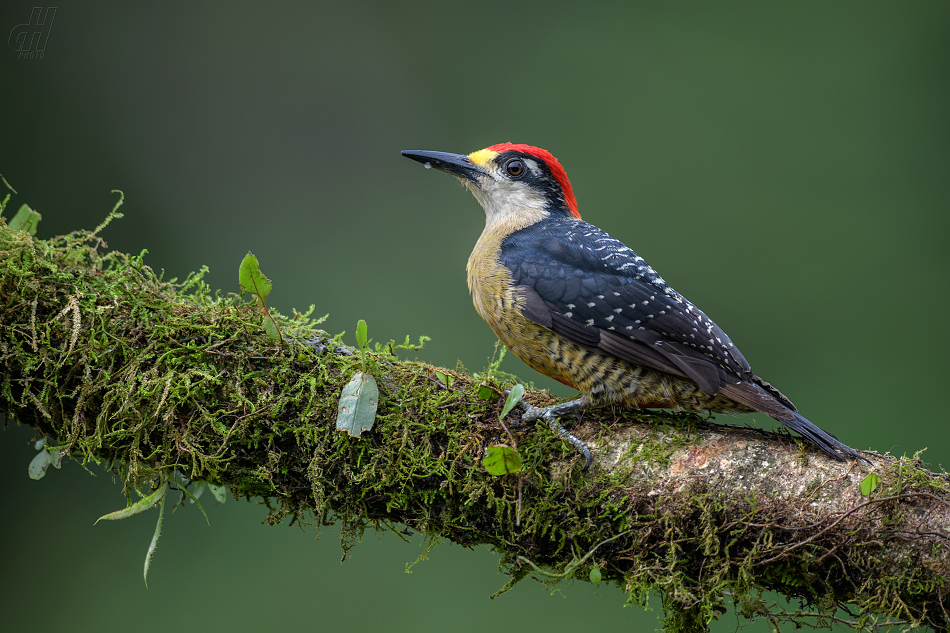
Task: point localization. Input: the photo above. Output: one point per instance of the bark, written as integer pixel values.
(160, 380)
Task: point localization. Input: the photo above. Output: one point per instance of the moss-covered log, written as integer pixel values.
(158, 380)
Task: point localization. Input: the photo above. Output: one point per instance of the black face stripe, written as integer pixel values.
(543, 182)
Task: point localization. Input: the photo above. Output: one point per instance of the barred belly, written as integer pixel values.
(606, 379)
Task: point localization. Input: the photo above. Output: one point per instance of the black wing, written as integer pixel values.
(594, 290)
(597, 292)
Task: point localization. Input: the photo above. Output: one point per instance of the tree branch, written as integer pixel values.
(156, 378)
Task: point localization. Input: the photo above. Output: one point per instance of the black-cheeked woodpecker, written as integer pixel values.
(579, 306)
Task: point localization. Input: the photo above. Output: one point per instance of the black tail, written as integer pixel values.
(822, 439)
(774, 404)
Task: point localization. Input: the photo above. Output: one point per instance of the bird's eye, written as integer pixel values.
(515, 168)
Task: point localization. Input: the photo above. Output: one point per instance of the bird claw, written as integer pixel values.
(550, 414)
(531, 412)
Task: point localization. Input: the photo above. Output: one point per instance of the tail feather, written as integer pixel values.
(754, 396)
(822, 439)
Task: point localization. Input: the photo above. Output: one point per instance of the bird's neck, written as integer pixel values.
(484, 261)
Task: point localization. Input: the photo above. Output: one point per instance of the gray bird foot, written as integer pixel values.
(573, 408)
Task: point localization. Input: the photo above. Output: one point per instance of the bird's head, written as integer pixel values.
(513, 183)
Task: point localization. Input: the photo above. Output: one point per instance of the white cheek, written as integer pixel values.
(504, 200)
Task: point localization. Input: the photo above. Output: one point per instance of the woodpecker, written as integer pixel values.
(579, 306)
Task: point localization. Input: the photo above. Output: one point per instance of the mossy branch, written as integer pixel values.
(153, 377)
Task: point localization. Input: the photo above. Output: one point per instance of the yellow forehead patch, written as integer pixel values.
(482, 157)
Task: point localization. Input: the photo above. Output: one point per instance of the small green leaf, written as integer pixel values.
(139, 506)
(43, 460)
(270, 328)
(199, 490)
(486, 393)
(869, 484)
(193, 496)
(26, 219)
(39, 464)
(595, 575)
(220, 493)
(501, 460)
(447, 379)
(358, 403)
(361, 334)
(154, 543)
(253, 280)
(514, 397)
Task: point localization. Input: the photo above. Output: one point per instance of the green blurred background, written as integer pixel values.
(783, 165)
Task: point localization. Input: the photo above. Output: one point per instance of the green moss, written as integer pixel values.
(150, 377)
